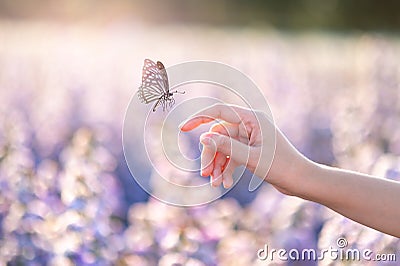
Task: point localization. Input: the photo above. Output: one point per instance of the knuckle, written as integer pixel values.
(215, 127)
(217, 105)
(223, 140)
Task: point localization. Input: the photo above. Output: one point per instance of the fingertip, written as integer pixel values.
(207, 140)
(183, 126)
(206, 171)
(203, 174)
(188, 125)
(227, 181)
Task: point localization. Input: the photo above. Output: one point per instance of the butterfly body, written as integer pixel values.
(155, 86)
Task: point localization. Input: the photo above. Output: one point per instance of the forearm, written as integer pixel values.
(371, 201)
(365, 199)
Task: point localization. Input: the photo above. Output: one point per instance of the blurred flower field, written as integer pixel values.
(67, 197)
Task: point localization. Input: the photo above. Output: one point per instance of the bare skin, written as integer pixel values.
(238, 140)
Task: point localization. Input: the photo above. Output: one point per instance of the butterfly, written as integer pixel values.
(155, 86)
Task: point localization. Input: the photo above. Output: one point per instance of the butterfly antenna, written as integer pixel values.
(181, 92)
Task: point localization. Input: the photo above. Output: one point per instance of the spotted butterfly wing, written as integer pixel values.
(155, 86)
(154, 83)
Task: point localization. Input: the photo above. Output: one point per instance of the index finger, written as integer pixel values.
(229, 113)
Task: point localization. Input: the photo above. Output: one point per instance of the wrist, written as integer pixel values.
(304, 179)
(290, 170)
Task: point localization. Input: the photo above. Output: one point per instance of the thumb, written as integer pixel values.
(237, 150)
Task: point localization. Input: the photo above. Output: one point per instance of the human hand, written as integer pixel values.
(244, 138)
(249, 138)
(237, 140)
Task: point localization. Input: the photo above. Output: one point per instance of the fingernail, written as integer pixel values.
(206, 141)
(227, 183)
(182, 124)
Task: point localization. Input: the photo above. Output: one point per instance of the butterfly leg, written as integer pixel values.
(164, 103)
(171, 101)
(156, 104)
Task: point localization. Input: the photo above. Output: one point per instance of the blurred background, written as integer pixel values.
(329, 69)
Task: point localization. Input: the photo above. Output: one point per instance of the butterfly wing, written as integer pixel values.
(164, 75)
(154, 82)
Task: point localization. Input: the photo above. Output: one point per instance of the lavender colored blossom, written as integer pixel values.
(67, 197)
